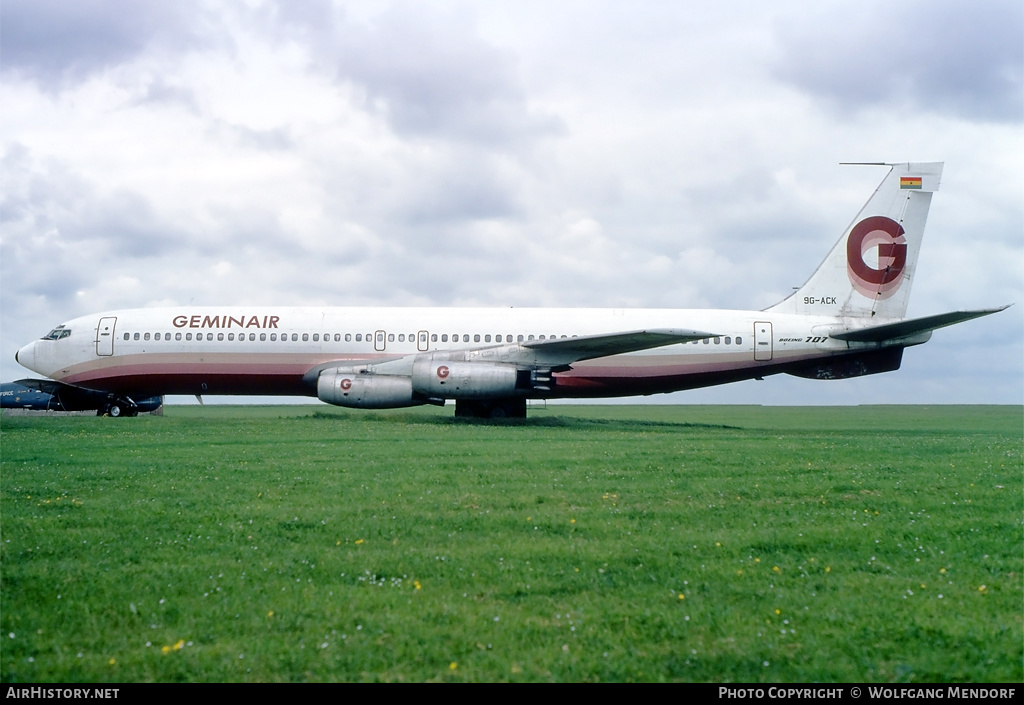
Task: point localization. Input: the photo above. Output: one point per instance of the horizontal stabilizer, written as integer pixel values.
(586, 347)
(913, 326)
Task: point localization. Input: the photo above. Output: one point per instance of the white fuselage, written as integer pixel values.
(267, 350)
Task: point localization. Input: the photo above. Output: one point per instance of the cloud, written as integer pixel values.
(426, 71)
(59, 41)
(952, 58)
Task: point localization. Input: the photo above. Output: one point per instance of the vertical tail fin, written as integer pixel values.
(869, 271)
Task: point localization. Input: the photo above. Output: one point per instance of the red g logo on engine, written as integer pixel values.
(443, 372)
(346, 384)
(887, 235)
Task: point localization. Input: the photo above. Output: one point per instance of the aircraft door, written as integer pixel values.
(105, 336)
(422, 341)
(762, 341)
(380, 341)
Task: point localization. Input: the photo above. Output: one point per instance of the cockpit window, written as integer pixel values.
(57, 333)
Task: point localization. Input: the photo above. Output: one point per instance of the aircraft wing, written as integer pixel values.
(586, 347)
(48, 386)
(913, 326)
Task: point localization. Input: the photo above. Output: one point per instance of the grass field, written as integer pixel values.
(879, 544)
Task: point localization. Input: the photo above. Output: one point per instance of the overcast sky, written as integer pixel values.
(649, 154)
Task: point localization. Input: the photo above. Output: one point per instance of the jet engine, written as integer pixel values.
(468, 380)
(363, 390)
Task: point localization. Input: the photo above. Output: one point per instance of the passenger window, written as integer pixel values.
(718, 341)
(465, 337)
(706, 341)
(220, 336)
(337, 337)
(156, 336)
(252, 336)
(127, 336)
(273, 337)
(348, 337)
(529, 337)
(188, 336)
(433, 337)
(136, 336)
(487, 338)
(305, 337)
(476, 338)
(231, 336)
(739, 340)
(263, 336)
(519, 337)
(401, 337)
(444, 338)
(391, 337)
(316, 337)
(728, 340)
(177, 336)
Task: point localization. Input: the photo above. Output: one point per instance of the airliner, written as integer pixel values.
(848, 320)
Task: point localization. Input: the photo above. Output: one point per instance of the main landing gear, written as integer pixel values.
(490, 409)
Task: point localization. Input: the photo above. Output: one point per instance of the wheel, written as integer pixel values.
(115, 409)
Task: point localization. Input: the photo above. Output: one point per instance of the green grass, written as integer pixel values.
(746, 544)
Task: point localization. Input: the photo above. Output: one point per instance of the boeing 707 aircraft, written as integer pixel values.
(846, 321)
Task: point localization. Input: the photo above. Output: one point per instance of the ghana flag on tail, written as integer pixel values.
(911, 182)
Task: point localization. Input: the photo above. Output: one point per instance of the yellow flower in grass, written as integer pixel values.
(176, 647)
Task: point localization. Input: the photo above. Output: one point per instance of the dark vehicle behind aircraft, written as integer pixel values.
(48, 395)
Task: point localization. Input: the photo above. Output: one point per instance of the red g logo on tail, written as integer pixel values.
(887, 235)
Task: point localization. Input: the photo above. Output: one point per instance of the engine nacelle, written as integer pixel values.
(468, 380)
(366, 391)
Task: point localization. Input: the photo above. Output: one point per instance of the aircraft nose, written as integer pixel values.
(26, 356)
